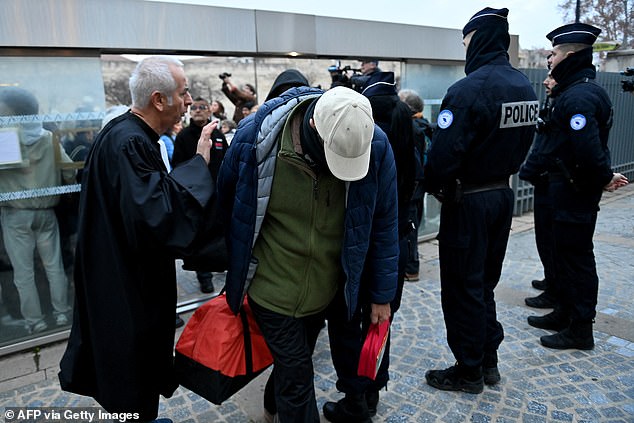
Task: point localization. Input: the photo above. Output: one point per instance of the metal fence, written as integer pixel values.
(621, 141)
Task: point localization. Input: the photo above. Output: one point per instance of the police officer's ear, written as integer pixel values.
(312, 123)
(467, 39)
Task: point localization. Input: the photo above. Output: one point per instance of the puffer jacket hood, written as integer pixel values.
(288, 79)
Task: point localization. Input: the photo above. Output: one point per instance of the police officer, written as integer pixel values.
(543, 208)
(577, 161)
(485, 128)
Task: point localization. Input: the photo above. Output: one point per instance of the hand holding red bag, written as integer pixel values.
(373, 349)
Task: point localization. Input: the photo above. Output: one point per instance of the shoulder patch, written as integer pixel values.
(577, 122)
(519, 113)
(445, 118)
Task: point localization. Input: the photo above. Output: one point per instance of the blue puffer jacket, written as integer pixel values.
(370, 244)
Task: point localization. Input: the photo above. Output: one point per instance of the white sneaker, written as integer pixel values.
(61, 319)
(7, 320)
(39, 326)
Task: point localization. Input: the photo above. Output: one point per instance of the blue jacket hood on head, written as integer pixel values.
(370, 245)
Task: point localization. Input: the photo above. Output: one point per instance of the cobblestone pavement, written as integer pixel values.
(538, 384)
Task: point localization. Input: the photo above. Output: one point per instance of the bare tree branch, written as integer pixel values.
(614, 17)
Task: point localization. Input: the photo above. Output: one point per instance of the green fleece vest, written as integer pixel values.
(299, 246)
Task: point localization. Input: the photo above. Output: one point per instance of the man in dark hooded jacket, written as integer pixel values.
(308, 189)
(347, 335)
(485, 128)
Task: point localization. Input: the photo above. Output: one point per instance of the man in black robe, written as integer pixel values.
(135, 219)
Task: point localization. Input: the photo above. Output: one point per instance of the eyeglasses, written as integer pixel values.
(201, 107)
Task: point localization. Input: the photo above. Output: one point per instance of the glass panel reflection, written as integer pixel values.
(50, 109)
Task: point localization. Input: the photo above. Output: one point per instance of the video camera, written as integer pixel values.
(339, 77)
(628, 85)
(224, 75)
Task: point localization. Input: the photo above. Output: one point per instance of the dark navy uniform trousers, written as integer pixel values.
(543, 217)
(472, 240)
(574, 220)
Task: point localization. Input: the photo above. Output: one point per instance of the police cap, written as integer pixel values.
(486, 16)
(574, 33)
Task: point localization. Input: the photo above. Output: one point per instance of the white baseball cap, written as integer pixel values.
(343, 119)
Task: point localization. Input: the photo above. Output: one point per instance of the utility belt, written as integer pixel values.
(460, 189)
(489, 186)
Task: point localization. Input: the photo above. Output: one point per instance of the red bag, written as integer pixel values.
(373, 349)
(218, 352)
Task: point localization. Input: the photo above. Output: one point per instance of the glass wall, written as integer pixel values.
(430, 81)
(50, 109)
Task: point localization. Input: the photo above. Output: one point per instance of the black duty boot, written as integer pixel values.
(490, 371)
(179, 321)
(543, 300)
(540, 284)
(577, 336)
(456, 378)
(350, 409)
(206, 282)
(372, 399)
(555, 320)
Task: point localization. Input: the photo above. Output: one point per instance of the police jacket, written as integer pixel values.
(575, 153)
(486, 123)
(370, 241)
(533, 169)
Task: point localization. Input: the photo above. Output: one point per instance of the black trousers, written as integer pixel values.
(544, 240)
(415, 214)
(292, 343)
(472, 239)
(347, 336)
(574, 221)
(577, 277)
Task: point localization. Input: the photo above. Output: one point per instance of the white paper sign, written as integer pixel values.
(9, 147)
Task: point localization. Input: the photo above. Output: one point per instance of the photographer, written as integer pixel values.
(238, 96)
(340, 77)
(369, 66)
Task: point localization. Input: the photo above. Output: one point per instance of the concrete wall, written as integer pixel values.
(138, 26)
(618, 61)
